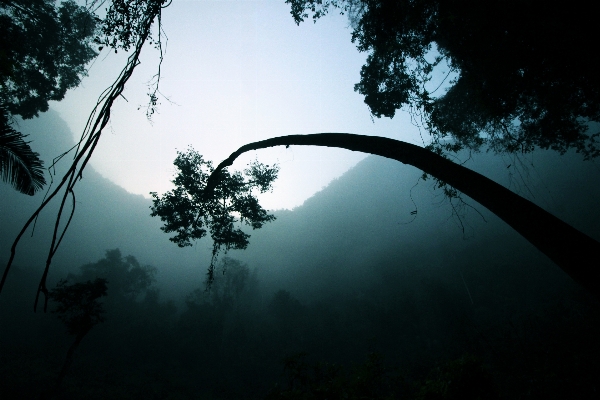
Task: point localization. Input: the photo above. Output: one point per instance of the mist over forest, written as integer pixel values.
(376, 284)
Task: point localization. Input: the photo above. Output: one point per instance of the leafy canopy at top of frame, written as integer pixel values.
(524, 74)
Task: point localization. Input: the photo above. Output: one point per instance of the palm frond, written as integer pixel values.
(20, 166)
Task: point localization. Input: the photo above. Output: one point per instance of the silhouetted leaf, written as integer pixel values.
(20, 166)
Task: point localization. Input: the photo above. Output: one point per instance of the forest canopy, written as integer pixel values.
(523, 73)
(45, 49)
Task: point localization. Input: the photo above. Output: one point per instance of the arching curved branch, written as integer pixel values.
(570, 249)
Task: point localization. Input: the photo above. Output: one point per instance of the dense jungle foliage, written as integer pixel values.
(412, 337)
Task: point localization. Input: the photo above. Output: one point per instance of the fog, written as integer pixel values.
(376, 287)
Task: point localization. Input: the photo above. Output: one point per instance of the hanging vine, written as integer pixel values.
(127, 25)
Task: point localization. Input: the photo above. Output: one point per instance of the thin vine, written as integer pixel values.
(130, 30)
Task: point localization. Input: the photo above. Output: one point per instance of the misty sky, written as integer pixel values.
(235, 72)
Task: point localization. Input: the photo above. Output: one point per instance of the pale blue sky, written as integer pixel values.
(236, 71)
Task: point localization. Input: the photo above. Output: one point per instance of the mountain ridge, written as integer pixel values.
(379, 212)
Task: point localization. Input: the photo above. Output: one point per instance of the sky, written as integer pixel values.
(234, 72)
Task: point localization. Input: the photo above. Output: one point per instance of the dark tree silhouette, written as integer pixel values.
(129, 280)
(524, 75)
(186, 211)
(127, 24)
(569, 248)
(78, 308)
(45, 48)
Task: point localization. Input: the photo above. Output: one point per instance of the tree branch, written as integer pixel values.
(570, 249)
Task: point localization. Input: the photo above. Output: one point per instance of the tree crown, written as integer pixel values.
(126, 276)
(191, 212)
(78, 307)
(521, 80)
(45, 49)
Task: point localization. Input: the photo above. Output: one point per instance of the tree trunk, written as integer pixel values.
(573, 251)
(68, 361)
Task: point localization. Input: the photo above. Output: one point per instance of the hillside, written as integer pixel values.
(378, 265)
(106, 217)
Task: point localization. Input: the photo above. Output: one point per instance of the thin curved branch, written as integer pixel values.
(570, 249)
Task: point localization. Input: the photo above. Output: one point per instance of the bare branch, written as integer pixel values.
(569, 248)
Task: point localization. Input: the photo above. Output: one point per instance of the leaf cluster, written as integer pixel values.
(524, 75)
(78, 306)
(124, 22)
(128, 278)
(192, 213)
(20, 166)
(44, 51)
(318, 8)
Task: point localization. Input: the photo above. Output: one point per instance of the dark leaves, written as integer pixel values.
(525, 77)
(78, 307)
(19, 165)
(44, 53)
(124, 22)
(191, 213)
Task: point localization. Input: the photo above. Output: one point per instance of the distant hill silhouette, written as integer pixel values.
(375, 218)
(365, 222)
(106, 217)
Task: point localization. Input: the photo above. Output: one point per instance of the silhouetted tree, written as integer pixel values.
(126, 24)
(45, 48)
(519, 85)
(78, 308)
(523, 75)
(139, 319)
(186, 211)
(570, 249)
(128, 278)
